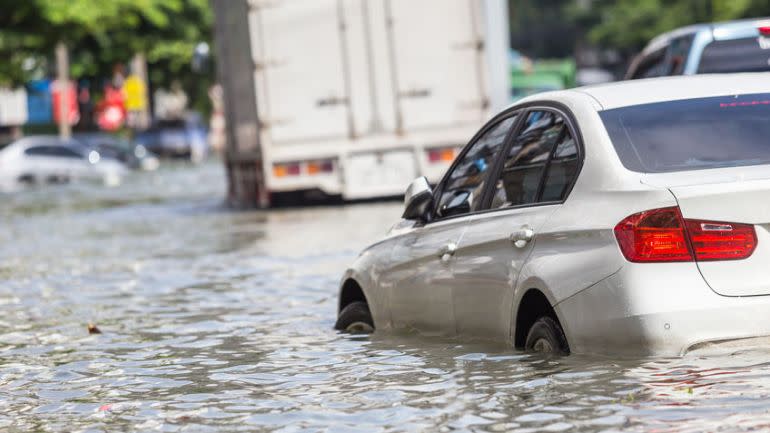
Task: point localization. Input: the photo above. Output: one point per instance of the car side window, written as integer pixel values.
(37, 151)
(679, 50)
(63, 152)
(527, 162)
(52, 151)
(562, 169)
(464, 187)
(651, 65)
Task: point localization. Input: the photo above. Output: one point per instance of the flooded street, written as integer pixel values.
(213, 320)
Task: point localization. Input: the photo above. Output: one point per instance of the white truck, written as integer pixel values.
(356, 98)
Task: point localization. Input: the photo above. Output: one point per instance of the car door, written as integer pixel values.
(421, 278)
(538, 170)
(75, 164)
(40, 165)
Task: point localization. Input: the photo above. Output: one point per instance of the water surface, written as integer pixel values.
(214, 320)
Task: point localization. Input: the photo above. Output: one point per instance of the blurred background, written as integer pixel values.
(303, 85)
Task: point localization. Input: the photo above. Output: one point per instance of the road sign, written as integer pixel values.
(58, 89)
(136, 93)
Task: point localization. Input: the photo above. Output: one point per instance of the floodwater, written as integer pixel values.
(214, 320)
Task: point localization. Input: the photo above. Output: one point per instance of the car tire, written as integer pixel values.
(546, 336)
(355, 318)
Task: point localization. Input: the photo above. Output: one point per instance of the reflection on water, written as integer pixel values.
(221, 321)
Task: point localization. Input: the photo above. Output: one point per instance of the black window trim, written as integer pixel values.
(569, 121)
(547, 167)
(523, 112)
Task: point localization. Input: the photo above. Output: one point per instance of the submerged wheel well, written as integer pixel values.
(533, 306)
(351, 292)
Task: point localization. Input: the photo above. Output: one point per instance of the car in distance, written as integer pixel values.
(734, 46)
(629, 217)
(176, 138)
(134, 156)
(48, 159)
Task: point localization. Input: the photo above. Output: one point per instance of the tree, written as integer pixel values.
(541, 29)
(102, 33)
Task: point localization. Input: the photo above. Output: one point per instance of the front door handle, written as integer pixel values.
(521, 238)
(447, 251)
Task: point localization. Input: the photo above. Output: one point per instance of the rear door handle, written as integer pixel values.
(446, 253)
(521, 238)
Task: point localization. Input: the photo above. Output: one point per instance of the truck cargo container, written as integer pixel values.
(354, 98)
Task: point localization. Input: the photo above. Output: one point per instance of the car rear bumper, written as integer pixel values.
(658, 309)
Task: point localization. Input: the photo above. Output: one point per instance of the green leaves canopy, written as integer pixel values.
(101, 33)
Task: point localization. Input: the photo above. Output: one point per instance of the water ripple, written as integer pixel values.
(220, 321)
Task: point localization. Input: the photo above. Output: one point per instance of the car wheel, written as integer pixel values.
(355, 318)
(546, 336)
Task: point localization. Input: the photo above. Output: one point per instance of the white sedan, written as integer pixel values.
(47, 159)
(630, 217)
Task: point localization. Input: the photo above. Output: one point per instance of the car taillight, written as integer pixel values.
(310, 168)
(656, 235)
(318, 167)
(283, 170)
(713, 240)
(446, 154)
(663, 235)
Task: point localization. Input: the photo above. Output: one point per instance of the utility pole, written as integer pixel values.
(498, 45)
(236, 69)
(139, 70)
(63, 81)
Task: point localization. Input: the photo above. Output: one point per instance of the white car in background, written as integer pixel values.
(630, 217)
(48, 159)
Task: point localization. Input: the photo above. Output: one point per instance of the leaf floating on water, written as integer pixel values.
(92, 329)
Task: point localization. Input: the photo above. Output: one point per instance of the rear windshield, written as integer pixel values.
(736, 55)
(725, 131)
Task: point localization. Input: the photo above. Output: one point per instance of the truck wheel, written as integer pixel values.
(546, 336)
(355, 318)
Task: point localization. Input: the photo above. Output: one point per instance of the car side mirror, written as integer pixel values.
(418, 200)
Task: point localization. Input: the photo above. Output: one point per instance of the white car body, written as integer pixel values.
(463, 276)
(44, 159)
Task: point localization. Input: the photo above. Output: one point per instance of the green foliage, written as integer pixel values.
(103, 33)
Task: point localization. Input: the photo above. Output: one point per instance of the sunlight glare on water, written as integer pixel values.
(214, 320)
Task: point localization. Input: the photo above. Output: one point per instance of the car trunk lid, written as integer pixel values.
(735, 201)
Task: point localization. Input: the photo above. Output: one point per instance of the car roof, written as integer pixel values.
(91, 138)
(651, 90)
(44, 140)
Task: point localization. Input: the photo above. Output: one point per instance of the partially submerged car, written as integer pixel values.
(629, 217)
(45, 159)
(134, 156)
(176, 138)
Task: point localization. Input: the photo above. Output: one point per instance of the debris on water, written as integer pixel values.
(92, 329)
